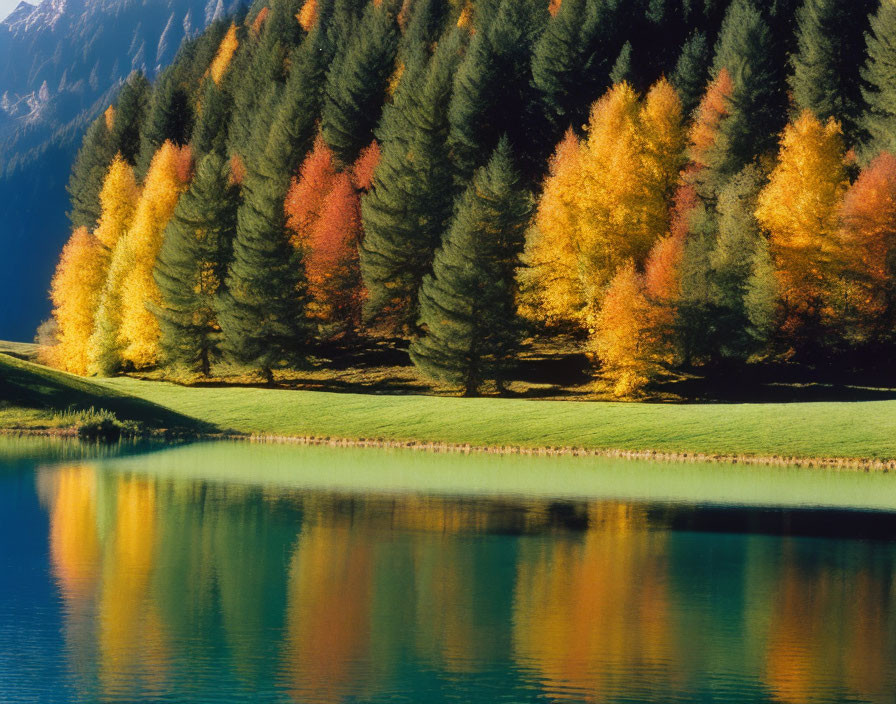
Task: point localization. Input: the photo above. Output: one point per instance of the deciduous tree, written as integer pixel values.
(799, 208)
(165, 181)
(75, 292)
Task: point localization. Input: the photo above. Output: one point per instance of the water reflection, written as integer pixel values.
(176, 590)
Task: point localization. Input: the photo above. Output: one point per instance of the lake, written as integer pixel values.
(229, 572)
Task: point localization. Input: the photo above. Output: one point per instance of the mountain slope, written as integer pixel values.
(61, 64)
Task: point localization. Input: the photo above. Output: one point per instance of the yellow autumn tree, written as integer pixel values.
(606, 201)
(550, 285)
(799, 208)
(307, 16)
(118, 201)
(165, 181)
(226, 49)
(623, 333)
(75, 292)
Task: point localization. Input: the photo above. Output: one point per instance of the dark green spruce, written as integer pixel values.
(879, 75)
(467, 305)
(356, 85)
(826, 67)
(169, 118)
(192, 266)
(408, 209)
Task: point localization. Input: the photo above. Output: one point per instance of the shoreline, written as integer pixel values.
(855, 464)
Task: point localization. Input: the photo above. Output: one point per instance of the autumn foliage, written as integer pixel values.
(139, 331)
(75, 293)
(224, 56)
(323, 210)
(868, 244)
(800, 208)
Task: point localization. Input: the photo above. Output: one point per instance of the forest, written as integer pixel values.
(674, 186)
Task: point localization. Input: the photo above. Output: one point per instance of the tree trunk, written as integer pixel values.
(268, 375)
(203, 360)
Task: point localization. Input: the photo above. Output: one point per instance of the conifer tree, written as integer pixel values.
(755, 107)
(825, 77)
(622, 70)
(262, 312)
(192, 266)
(130, 113)
(879, 75)
(88, 173)
(744, 290)
(467, 304)
(169, 118)
(409, 206)
(570, 64)
(212, 120)
(493, 94)
(356, 86)
(692, 71)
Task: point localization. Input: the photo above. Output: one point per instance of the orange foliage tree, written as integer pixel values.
(226, 49)
(323, 211)
(606, 201)
(118, 202)
(624, 337)
(799, 208)
(868, 243)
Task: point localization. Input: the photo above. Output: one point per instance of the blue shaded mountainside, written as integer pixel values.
(61, 64)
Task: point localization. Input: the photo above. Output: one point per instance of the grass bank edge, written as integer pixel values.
(854, 435)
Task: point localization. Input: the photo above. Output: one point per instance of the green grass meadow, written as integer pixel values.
(32, 396)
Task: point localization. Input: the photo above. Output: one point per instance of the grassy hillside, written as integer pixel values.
(34, 395)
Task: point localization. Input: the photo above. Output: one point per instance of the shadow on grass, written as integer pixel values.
(32, 386)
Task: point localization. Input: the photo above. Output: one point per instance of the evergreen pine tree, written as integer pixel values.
(169, 118)
(88, 173)
(692, 71)
(743, 295)
(879, 75)
(407, 211)
(493, 94)
(212, 120)
(130, 113)
(192, 266)
(356, 85)
(825, 76)
(622, 70)
(570, 65)
(755, 107)
(467, 305)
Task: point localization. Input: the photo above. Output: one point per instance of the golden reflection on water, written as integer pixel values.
(327, 597)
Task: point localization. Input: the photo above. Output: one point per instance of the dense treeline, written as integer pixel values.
(678, 182)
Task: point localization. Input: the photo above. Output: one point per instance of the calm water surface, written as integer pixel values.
(242, 573)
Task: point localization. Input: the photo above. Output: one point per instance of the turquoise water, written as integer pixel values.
(238, 573)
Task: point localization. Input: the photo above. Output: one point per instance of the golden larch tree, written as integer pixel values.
(226, 49)
(799, 208)
(75, 292)
(550, 284)
(118, 202)
(165, 181)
